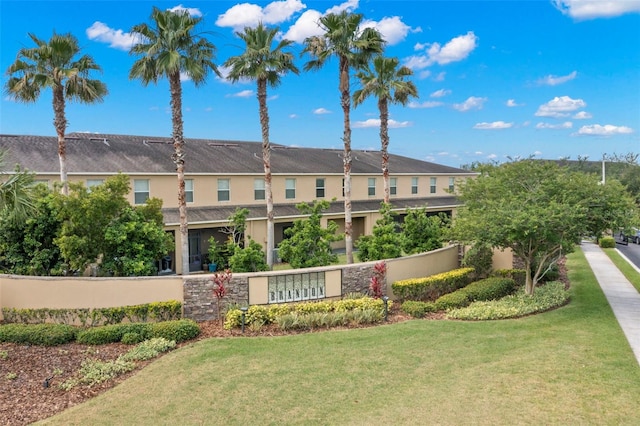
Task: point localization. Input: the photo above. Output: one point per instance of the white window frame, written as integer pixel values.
(259, 189)
(433, 185)
(393, 186)
(290, 189)
(224, 187)
(188, 190)
(141, 189)
(94, 182)
(320, 189)
(414, 185)
(452, 184)
(371, 187)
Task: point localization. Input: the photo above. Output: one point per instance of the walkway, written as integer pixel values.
(623, 298)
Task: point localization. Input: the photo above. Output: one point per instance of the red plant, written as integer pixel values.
(378, 279)
(221, 281)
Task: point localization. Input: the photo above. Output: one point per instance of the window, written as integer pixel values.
(290, 189)
(140, 191)
(258, 189)
(294, 287)
(188, 190)
(414, 185)
(94, 182)
(372, 186)
(452, 184)
(224, 190)
(393, 186)
(432, 188)
(320, 188)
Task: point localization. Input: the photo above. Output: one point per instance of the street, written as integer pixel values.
(631, 251)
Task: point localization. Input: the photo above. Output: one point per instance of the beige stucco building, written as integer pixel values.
(224, 175)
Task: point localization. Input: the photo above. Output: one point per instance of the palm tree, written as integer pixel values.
(16, 193)
(167, 50)
(53, 64)
(387, 83)
(266, 66)
(353, 46)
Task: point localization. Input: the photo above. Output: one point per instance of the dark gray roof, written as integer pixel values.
(105, 154)
(222, 213)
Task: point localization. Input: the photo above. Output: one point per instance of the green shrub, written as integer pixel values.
(131, 338)
(490, 289)
(93, 372)
(518, 275)
(148, 349)
(177, 330)
(417, 309)
(103, 334)
(480, 258)
(38, 334)
(315, 320)
(548, 296)
(432, 287)
(607, 242)
(456, 299)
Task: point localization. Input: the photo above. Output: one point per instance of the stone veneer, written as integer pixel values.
(201, 305)
(356, 277)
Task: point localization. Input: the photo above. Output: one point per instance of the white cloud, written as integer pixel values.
(565, 125)
(348, 5)
(512, 103)
(472, 102)
(496, 125)
(582, 115)
(606, 130)
(117, 39)
(590, 9)
(392, 28)
(305, 26)
(320, 111)
(241, 94)
(375, 122)
(190, 10)
(440, 93)
(426, 104)
(440, 76)
(560, 107)
(554, 80)
(184, 76)
(293, 115)
(455, 50)
(249, 15)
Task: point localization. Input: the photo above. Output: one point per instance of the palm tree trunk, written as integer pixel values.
(60, 123)
(178, 159)
(345, 101)
(266, 161)
(384, 142)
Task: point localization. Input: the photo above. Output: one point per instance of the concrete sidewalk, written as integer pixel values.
(623, 298)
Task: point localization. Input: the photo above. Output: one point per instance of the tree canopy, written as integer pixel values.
(537, 209)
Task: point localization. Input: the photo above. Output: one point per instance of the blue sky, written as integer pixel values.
(496, 79)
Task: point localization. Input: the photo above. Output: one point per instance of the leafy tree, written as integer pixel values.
(133, 242)
(309, 244)
(385, 241)
(537, 209)
(266, 66)
(55, 65)
(169, 49)
(480, 258)
(16, 193)
(249, 258)
(388, 84)
(353, 46)
(27, 247)
(421, 232)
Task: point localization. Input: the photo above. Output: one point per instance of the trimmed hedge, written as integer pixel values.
(607, 242)
(432, 287)
(518, 275)
(178, 331)
(418, 309)
(38, 334)
(486, 289)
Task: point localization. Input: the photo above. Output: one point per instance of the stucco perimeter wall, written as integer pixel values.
(23, 292)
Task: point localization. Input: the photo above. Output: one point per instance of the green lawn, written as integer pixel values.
(629, 271)
(568, 366)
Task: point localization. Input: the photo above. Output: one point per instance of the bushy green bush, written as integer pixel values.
(131, 338)
(418, 309)
(549, 296)
(432, 287)
(452, 300)
(486, 289)
(517, 275)
(38, 334)
(104, 334)
(480, 258)
(178, 330)
(315, 320)
(607, 242)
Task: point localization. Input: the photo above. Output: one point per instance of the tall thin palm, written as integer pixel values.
(388, 84)
(353, 46)
(266, 66)
(168, 49)
(54, 65)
